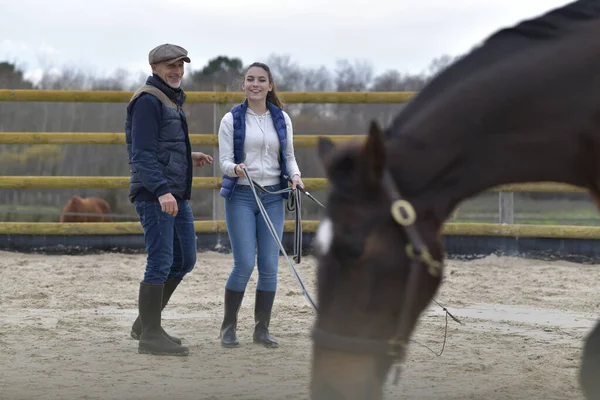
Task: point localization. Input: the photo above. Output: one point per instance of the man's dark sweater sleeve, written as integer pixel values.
(144, 137)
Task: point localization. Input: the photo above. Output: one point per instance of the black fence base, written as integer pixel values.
(457, 247)
(576, 250)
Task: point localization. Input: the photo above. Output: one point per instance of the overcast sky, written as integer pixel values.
(101, 36)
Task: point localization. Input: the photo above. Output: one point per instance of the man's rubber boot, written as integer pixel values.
(153, 340)
(136, 329)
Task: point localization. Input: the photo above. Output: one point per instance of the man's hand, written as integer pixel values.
(168, 204)
(200, 159)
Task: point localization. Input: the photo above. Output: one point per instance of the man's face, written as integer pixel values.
(170, 73)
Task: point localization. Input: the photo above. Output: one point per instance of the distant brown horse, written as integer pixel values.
(522, 107)
(92, 207)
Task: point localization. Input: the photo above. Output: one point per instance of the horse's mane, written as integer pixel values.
(500, 46)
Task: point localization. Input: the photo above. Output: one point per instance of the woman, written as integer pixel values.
(256, 135)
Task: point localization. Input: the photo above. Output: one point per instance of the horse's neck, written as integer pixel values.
(440, 177)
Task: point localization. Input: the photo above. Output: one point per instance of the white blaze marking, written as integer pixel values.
(324, 236)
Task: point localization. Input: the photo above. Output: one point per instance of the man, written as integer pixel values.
(161, 163)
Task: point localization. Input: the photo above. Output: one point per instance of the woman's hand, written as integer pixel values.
(238, 169)
(296, 181)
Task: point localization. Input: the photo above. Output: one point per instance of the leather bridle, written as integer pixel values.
(404, 215)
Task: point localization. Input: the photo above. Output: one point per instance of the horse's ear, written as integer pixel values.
(374, 152)
(324, 147)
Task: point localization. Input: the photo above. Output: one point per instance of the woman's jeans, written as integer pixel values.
(250, 237)
(170, 241)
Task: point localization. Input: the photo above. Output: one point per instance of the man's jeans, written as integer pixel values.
(170, 241)
(251, 239)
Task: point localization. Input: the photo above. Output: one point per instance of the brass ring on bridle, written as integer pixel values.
(402, 205)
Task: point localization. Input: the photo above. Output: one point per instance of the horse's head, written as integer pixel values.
(372, 285)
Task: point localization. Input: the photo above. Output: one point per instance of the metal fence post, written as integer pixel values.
(218, 206)
(506, 203)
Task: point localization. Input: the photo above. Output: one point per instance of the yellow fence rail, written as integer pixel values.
(101, 96)
(122, 182)
(218, 226)
(197, 139)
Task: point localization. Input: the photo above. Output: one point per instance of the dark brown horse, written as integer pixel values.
(522, 107)
(90, 209)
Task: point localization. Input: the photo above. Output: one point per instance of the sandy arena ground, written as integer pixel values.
(65, 320)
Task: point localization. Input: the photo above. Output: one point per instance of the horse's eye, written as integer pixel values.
(347, 251)
(345, 164)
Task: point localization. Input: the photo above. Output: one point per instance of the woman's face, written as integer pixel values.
(256, 84)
